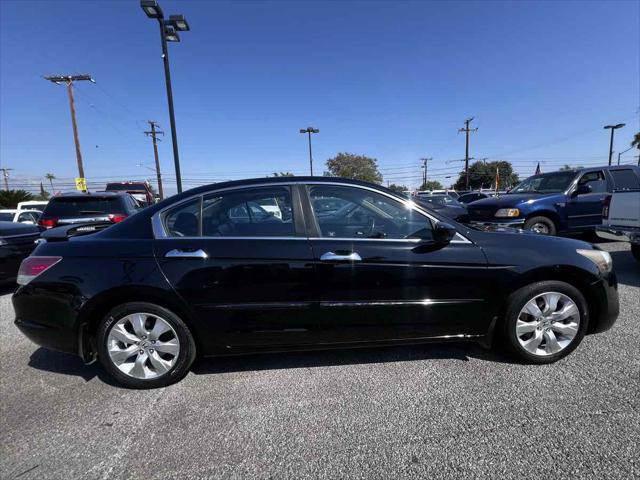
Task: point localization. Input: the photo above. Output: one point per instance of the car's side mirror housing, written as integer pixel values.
(583, 189)
(443, 233)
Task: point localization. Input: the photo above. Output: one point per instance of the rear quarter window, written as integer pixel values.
(625, 179)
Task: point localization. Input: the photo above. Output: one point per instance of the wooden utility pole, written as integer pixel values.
(153, 133)
(69, 79)
(467, 130)
(425, 161)
(5, 175)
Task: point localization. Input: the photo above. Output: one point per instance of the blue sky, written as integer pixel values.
(391, 80)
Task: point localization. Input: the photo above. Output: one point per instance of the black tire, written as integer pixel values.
(531, 223)
(185, 357)
(635, 251)
(517, 301)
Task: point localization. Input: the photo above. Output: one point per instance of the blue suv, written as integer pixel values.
(567, 201)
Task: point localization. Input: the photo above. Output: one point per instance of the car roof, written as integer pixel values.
(89, 194)
(275, 181)
(9, 210)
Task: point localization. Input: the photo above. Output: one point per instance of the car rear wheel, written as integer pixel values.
(545, 321)
(143, 345)
(542, 225)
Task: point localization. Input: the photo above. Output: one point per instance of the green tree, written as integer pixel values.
(11, 198)
(398, 188)
(51, 177)
(43, 195)
(283, 174)
(357, 167)
(483, 175)
(431, 185)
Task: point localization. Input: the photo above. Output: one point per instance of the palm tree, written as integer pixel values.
(11, 198)
(51, 177)
(636, 141)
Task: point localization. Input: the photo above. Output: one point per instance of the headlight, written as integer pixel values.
(601, 258)
(508, 212)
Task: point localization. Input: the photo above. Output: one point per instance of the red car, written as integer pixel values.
(141, 191)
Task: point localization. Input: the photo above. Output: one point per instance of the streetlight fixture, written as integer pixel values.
(624, 151)
(309, 131)
(612, 128)
(168, 33)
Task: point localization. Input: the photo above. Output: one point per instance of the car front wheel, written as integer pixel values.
(143, 345)
(542, 225)
(545, 321)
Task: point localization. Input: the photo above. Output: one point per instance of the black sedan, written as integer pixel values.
(331, 263)
(17, 241)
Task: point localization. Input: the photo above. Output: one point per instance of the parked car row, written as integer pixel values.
(563, 202)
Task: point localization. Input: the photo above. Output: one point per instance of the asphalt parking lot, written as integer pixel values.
(434, 411)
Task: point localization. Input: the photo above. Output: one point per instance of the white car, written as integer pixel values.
(621, 211)
(21, 216)
(33, 205)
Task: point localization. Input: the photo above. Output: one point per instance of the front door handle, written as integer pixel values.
(334, 257)
(178, 253)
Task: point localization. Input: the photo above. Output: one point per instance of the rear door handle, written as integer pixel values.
(178, 253)
(334, 257)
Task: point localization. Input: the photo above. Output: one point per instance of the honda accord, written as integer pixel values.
(215, 271)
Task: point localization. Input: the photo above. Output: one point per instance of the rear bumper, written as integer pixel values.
(46, 320)
(619, 234)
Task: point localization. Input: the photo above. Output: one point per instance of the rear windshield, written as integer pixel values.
(127, 187)
(61, 207)
(6, 217)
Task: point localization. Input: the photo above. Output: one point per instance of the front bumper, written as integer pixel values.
(507, 222)
(605, 298)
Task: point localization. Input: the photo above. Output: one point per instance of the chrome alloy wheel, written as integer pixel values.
(143, 345)
(540, 228)
(547, 323)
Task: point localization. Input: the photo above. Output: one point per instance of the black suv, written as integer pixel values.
(97, 208)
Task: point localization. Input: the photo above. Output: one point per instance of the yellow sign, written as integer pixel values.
(81, 184)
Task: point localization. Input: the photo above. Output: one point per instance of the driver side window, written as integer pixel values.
(351, 212)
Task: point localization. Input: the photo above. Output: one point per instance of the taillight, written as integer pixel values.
(605, 206)
(31, 267)
(48, 222)
(117, 217)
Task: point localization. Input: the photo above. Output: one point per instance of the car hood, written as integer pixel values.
(513, 200)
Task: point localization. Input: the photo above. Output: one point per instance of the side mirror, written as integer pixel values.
(583, 189)
(443, 232)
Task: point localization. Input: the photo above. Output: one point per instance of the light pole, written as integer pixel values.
(612, 128)
(309, 131)
(168, 33)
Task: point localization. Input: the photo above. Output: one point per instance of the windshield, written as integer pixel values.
(61, 207)
(441, 200)
(126, 187)
(546, 183)
(6, 217)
